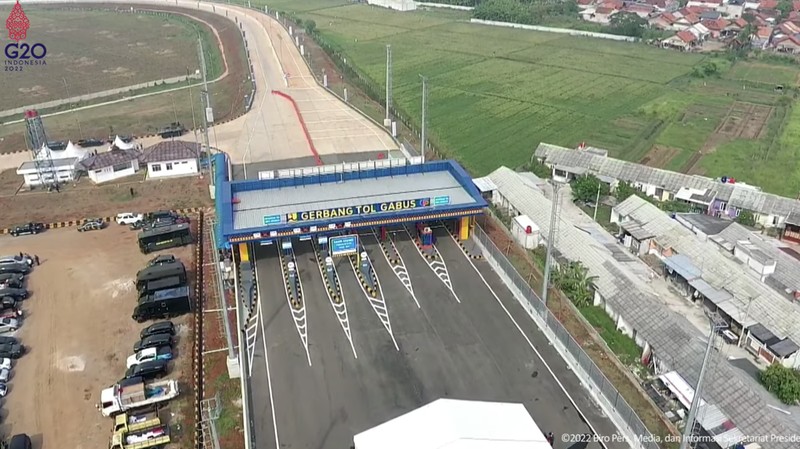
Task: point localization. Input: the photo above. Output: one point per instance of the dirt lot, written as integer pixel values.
(78, 332)
(86, 200)
(659, 156)
(146, 115)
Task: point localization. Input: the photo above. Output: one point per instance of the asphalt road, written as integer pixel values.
(468, 350)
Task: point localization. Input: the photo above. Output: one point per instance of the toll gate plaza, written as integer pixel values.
(335, 198)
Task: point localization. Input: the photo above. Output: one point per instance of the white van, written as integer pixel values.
(129, 218)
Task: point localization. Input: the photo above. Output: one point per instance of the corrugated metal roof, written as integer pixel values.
(742, 197)
(484, 184)
(674, 340)
(253, 205)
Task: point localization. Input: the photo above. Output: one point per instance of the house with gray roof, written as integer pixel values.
(724, 197)
(736, 406)
(111, 165)
(171, 158)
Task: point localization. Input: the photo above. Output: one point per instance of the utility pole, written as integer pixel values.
(551, 238)
(424, 113)
(388, 120)
(717, 324)
(596, 203)
(208, 115)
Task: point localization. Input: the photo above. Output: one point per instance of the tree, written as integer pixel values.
(539, 169)
(785, 7)
(574, 281)
(627, 24)
(311, 27)
(746, 218)
(624, 191)
(782, 382)
(585, 188)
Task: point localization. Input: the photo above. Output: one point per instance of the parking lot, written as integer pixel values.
(77, 331)
(481, 348)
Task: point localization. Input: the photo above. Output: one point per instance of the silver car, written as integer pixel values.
(25, 259)
(8, 325)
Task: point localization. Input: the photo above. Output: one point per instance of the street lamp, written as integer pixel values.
(717, 324)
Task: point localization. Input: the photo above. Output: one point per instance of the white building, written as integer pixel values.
(66, 170)
(111, 165)
(457, 424)
(171, 158)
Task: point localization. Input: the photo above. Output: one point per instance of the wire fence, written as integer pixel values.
(583, 366)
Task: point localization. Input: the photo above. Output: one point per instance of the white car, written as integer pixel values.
(5, 374)
(5, 363)
(129, 218)
(3, 390)
(8, 324)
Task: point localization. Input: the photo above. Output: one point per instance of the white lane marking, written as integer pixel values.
(528, 340)
(266, 363)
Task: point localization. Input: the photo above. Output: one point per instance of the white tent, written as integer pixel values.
(122, 145)
(45, 153)
(456, 424)
(74, 151)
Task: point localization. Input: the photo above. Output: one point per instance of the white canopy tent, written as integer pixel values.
(118, 143)
(74, 151)
(45, 153)
(457, 424)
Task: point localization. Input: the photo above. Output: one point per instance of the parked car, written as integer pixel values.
(16, 277)
(8, 303)
(92, 224)
(16, 258)
(19, 441)
(90, 143)
(149, 354)
(11, 283)
(27, 229)
(3, 393)
(11, 351)
(153, 341)
(146, 370)
(15, 268)
(17, 294)
(5, 374)
(8, 324)
(162, 327)
(128, 218)
(5, 363)
(4, 340)
(160, 260)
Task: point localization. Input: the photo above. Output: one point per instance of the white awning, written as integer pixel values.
(484, 184)
(457, 424)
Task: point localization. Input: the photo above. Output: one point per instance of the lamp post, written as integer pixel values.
(717, 324)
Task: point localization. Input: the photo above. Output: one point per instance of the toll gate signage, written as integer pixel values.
(343, 245)
(364, 209)
(271, 219)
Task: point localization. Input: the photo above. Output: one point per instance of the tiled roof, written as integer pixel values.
(673, 339)
(170, 150)
(108, 159)
(741, 197)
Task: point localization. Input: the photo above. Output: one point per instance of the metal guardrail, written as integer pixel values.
(583, 366)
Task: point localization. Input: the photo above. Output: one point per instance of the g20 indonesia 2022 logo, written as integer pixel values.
(21, 54)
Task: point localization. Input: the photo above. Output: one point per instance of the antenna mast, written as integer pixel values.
(36, 139)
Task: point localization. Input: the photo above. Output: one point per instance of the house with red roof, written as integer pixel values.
(664, 5)
(642, 10)
(767, 4)
(716, 27)
(787, 44)
(761, 38)
(664, 21)
(789, 28)
(583, 4)
(682, 40)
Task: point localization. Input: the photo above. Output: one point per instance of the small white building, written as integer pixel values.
(111, 165)
(171, 158)
(63, 170)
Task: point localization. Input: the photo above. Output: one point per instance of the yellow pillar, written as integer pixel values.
(464, 234)
(244, 254)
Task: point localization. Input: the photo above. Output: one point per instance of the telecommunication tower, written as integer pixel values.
(37, 144)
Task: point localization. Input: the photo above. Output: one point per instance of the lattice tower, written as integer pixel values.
(36, 138)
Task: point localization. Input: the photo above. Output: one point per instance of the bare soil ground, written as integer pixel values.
(146, 115)
(78, 332)
(86, 200)
(659, 156)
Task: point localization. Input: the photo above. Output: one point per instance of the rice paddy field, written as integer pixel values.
(495, 93)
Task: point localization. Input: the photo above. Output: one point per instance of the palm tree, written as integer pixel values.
(574, 281)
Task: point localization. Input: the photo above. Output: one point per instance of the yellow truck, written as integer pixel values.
(133, 421)
(147, 438)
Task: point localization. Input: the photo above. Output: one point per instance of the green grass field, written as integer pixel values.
(496, 93)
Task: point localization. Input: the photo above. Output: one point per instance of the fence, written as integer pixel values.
(583, 366)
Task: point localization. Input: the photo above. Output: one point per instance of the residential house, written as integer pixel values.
(663, 5)
(710, 15)
(601, 15)
(767, 5)
(789, 28)
(664, 21)
(732, 9)
(583, 4)
(111, 165)
(787, 44)
(761, 38)
(171, 158)
(686, 21)
(710, 4)
(717, 28)
(700, 31)
(711, 196)
(642, 10)
(63, 170)
(682, 40)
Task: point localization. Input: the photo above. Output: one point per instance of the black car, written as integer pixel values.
(15, 277)
(15, 268)
(90, 143)
(161, 260)
(11, 283)
(27, 229)
(153, 341)
(11, 350)
(162, 327)
(17, 294)
(148, 370)
(19, 441)
(8, 340)
(7, 303)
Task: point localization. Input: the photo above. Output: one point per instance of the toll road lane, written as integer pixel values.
(543, 398)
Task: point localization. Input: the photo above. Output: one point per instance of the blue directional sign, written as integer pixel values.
(441, 200)
(343, 245)
(271, 219)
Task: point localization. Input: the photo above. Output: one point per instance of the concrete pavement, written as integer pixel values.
(467, 350)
